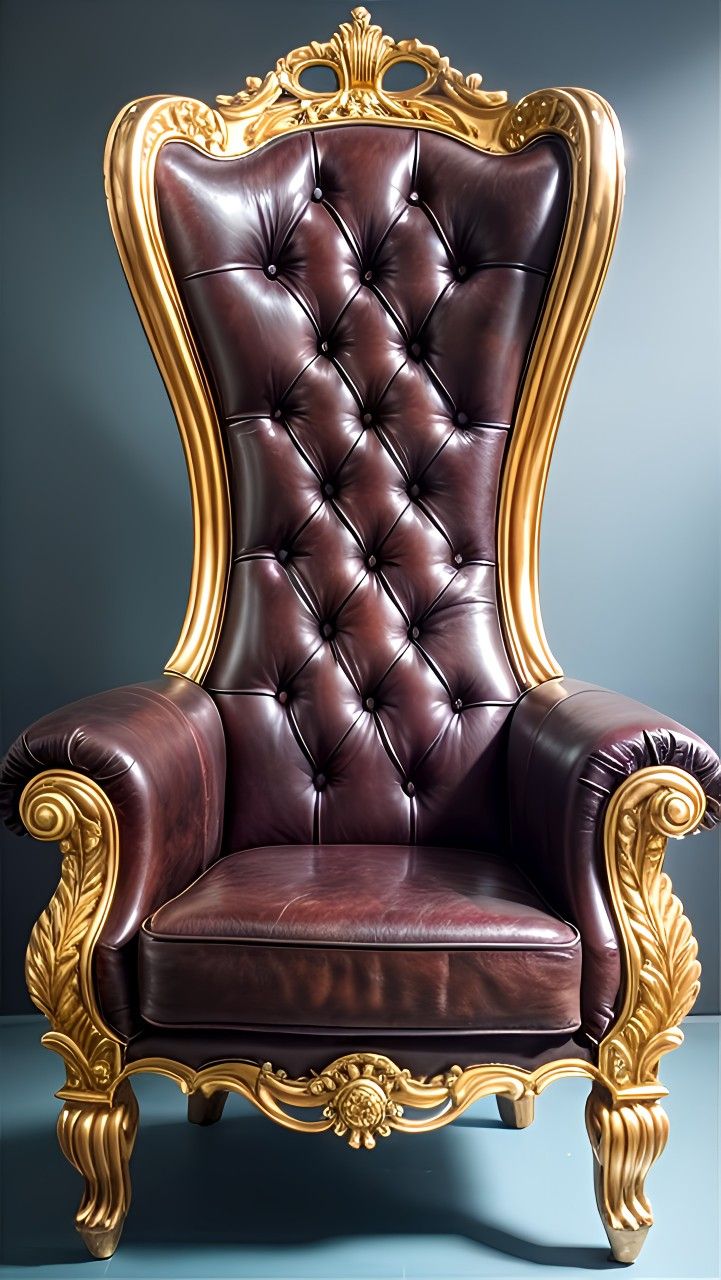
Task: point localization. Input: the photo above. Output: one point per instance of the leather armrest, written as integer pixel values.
(158, 752)
(571, 746)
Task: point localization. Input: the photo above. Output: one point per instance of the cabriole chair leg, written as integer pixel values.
(98, 1140)
(516, 1114)
(206, 1108)
(626, 1137)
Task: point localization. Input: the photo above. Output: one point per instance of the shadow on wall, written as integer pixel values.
(111, 578)
(105, 610)
(192, 1187)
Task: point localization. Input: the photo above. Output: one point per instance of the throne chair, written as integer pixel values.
(363, 854)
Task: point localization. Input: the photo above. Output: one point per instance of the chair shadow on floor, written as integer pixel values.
(246, 1183)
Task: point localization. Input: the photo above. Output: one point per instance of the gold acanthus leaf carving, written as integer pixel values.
(662, 971)
(359, 54)
(186, 119)
(72, 810)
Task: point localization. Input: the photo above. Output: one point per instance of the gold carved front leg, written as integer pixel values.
(626, 1139)
(626, 1123)
(98, 1140)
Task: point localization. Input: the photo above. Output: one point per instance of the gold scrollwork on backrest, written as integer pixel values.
(359, 54)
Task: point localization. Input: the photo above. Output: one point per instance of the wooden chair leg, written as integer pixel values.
(626, 1139)
(206, 1109)
(98, 1140)
(516, 1114)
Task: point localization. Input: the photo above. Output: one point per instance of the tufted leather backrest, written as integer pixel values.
(364, 299)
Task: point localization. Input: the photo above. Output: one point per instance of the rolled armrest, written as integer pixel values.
(157, 750)
(571, 746)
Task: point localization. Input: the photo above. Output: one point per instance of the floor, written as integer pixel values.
(246, 1199)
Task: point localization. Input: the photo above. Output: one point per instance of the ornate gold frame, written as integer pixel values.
(365, 1095)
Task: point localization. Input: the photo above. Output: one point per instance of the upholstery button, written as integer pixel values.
(458, 558)
(461, 271)
(271, 270)
(367, 419)
(458, 705)
(277, 414)
(317, 194)
(413, 197)
(369, 704)
(415, 632)
(327, 630)
(282, 697)
(413, 490)
(324, 348)
(461, 419)
(328, 489)
(415, 350)
(410, 789)
(367, 276)
(371, 562)
(319, 781)
(283, 555)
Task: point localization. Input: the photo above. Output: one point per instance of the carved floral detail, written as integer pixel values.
(357, 1091)
(188, 119)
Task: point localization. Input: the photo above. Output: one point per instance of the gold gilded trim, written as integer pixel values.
(63, 806)
(661, 971)
(360, 54)
(593, 135)
(131, 150)
(363, 1096)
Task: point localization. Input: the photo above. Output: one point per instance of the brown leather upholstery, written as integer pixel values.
(364, 299)
(388, 937)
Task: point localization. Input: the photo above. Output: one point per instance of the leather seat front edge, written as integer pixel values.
(377, 937)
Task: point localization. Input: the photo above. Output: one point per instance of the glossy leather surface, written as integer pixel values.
(571, 745)
(158, 752)
(364, 299)
(361, 936)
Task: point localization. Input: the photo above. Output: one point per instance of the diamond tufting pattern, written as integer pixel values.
(364, 299)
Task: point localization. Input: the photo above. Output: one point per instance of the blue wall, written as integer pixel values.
(96, 521)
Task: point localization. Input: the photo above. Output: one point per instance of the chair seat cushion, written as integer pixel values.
(391, 937)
